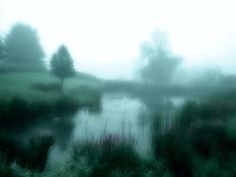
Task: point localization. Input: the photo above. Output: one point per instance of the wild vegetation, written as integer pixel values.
(198, 141)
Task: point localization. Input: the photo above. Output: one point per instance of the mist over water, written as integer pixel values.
(117, 88)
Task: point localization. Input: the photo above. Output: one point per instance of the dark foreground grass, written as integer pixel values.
(17, 114)
(107, 156)
(201, 141)
(111, 156)
(31, 153)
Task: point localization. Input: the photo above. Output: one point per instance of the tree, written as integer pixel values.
(23, 47)
(61, 64)
(158, 62)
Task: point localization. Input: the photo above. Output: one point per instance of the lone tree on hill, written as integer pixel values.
(23, 48)
(61, 64)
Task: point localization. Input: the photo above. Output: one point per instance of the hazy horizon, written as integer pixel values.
(104, 37)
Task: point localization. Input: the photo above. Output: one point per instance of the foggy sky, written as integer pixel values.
(104, 35)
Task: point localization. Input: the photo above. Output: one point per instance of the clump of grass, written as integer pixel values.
(200, 130)
(173, 148)
(31, 154)
(214, 166)
(5, 169)
(18, 112)
(109, 154)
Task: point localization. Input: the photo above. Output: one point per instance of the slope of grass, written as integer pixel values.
(20, 84)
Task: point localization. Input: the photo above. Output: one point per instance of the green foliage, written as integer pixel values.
(5, 169)
(172, 147)
(31, 154)
(23, 48)
(214, 167)
(18, 112)
(203, 134)
(61, 64)
(111, 156)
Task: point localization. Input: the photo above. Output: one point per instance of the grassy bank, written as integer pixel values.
(201, 139)
(200, 142)
(24, 101)
(20, 84)
(111, 156)
(21, 101)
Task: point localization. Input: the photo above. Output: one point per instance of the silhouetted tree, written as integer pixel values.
(23, 47)
(158, 60)
(61, 64)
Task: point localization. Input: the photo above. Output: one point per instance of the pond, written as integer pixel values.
(120, 115)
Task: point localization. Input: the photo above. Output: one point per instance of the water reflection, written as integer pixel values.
(120, 115)
(60, 127)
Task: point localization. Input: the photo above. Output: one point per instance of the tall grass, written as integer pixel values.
(18, 112)
(110, 156)
(31, 153)
(200, 134)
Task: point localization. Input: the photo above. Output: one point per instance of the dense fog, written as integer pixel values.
(117, 88)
